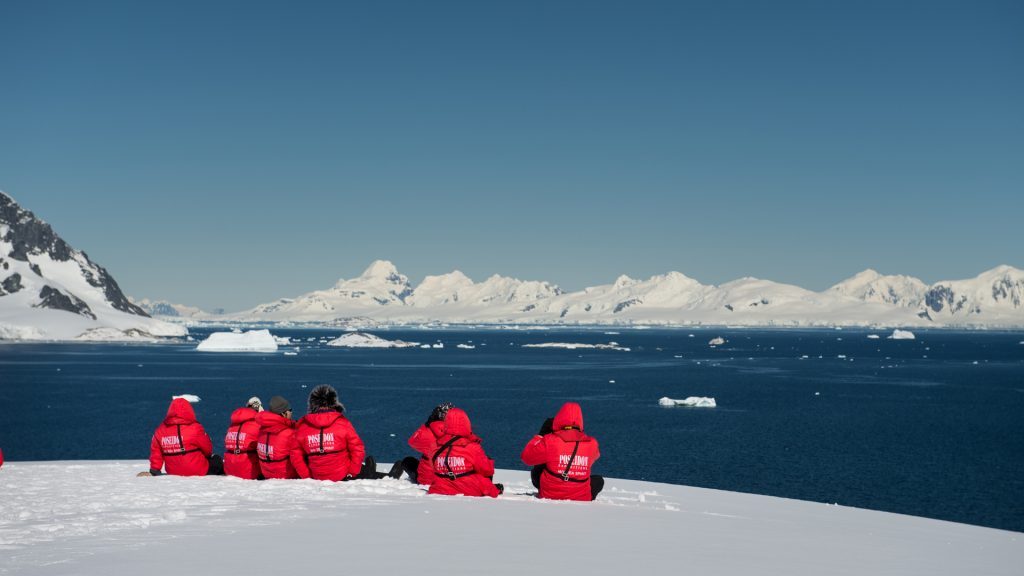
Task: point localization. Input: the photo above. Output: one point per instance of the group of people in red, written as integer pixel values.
(323, 445)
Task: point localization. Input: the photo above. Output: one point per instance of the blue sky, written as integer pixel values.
(225, 154)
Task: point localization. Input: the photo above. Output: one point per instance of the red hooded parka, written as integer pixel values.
(276, 449)
(460, 464)
(424, 441)
(240, 457)
(567, 454)
(180, 443)
(331, 446)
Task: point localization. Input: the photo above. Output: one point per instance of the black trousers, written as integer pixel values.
(596, 482)
(411, 466)
(216, 466)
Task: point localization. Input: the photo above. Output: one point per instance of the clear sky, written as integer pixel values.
(223, 154)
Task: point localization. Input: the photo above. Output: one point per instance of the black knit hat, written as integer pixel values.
(440, 411)
(324, 398)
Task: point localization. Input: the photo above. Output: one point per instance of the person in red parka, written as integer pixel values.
(329, 443)
(460, 465)
(1, 458)
(563, 457)
(240, 457)
(424, 441)
(181, 446)
(276, 448)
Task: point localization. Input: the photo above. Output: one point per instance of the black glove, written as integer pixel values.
(155, 472)
(547, 427)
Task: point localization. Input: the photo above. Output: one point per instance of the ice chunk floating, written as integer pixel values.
(251, 341)
(365, 340)
(717, 341)
(578, 346)
(689, 402)
(898, 334)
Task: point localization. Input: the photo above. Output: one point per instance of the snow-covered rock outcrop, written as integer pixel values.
(996, 295)
(49, 290)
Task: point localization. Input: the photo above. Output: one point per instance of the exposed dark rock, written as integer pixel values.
(57, 300)
(564, 312)
(29, 235)
(11, 284)
(728, 307)
(528, 308)
(626, 304)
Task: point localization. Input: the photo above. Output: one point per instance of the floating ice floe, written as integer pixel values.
(898, 334)
(437, 345)
(364, 340)
(578, 346)
(466, 346)
(190, 398)
(873, 336)
(689, 402)
(251, 341)
(291, 353)
(716, 341)
(282, 340)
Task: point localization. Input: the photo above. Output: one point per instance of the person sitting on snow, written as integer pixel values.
(181, 446)
(330, 444)
(424, 441)
(240, 457)
(276, 449)
(460, 465)
(562, 457)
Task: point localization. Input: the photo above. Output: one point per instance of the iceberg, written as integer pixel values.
(579, 346)
(365, 340)
(689, 402)
(898, 334)
(466, 346)
(716, 341)
(873, 336)
(251, 341)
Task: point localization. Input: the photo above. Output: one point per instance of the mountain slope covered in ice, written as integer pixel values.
(98, 518)
(381, 294)
(49, 290)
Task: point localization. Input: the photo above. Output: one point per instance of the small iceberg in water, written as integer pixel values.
(898, 334)
(716, 341)
(466, 346)
(251, 341)
(690, 402)
(873, 336)
(578, 346)
(365, 340)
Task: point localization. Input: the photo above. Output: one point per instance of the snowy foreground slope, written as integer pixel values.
(98, 518)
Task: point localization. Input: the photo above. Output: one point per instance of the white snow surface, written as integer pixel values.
(62, 518)
(689, 402)
(898, 334)
(250, 341)
(364, 340)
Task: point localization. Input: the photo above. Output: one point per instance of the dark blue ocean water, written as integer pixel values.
(932, 427)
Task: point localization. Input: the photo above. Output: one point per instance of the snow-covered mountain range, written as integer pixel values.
(49, 290)
(383, 295)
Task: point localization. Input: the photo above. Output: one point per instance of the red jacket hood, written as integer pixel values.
(457, 423)
(569, 416)
(322, 419)
(274, 423)
(180, 412)
(243, 415)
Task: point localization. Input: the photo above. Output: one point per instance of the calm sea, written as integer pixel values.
(931, 427)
